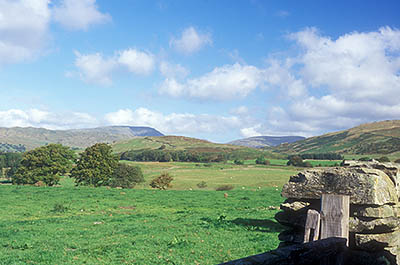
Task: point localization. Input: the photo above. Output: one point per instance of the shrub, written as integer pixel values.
(260, 160)
(365, 158)
(202, 185)
(126, 176)
(238, 162)
(397, 161)
(96, 166)
(383, 159)
(297, 161)
(59, 208)
(162, 182)
(224, 187)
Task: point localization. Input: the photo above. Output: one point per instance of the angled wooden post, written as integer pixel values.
(312, 223)
(335, 216)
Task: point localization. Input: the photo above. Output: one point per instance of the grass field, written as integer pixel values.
(188, 175)
(81, 225)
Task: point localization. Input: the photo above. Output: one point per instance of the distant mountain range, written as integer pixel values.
(266, 141)
(30, 137)
(371, 138)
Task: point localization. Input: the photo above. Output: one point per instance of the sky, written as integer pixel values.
(218, 70)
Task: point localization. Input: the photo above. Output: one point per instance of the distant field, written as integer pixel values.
(80, 225)
(188, 175)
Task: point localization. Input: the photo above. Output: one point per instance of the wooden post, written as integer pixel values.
(335, 216)
(312, 222)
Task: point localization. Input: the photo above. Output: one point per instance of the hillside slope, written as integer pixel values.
(266, 141)
(371, 138)
(176, 143)
(30, 137)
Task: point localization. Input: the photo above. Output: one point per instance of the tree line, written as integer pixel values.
(159, 155)
(321, 156)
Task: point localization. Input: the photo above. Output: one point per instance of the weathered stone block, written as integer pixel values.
(363, 185)
(295, 206)
(382, 225)
(383, 211)
(375, 242)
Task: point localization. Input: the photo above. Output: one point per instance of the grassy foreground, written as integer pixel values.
(81, 225)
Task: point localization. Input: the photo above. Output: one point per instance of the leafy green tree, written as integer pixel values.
(95, 166)
(13, 161)
(45, 164)
(126, 176)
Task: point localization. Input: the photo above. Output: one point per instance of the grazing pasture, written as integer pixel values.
(188, 175)
(83, 225)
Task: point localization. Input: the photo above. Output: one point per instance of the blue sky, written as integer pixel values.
(217, 70)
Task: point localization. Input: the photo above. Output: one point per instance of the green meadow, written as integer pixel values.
(188, 175)
(186, 224)
(82, 225)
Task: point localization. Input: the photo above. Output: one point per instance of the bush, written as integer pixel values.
(297, 161)
(397, 161)
(202, 185)
(96, 166)
(126, 176)
(260, 160)
(383, 159)
(365, 158)
(224, 187)
(238, 162)
(44, 164)
(162, 182)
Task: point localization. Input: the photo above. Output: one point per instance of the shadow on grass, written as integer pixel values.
(264, 225)
(260, 225)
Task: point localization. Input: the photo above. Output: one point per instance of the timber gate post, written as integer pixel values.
(335, 211)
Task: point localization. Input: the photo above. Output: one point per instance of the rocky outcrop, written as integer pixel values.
(374, 191)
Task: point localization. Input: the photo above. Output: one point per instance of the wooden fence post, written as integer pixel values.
(335, 216)
(312, 223)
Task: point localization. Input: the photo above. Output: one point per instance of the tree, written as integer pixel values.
(126, 176)
(95, 166)
(45, 164)
(297, 161)
(162, 182)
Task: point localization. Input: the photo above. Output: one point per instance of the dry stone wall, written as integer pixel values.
(374, 192)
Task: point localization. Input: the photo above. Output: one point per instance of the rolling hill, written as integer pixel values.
(181, 143)
(371, 138)
(266, 141)
(30, 137)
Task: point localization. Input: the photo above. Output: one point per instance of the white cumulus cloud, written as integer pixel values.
(190, 41)
(174, 123)
(46, 119)
(24, 28)
(223, 83)
(136, 61)
(342, 82)
(97, 69)
(79, 14)
(93, 68)
(170, 70)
